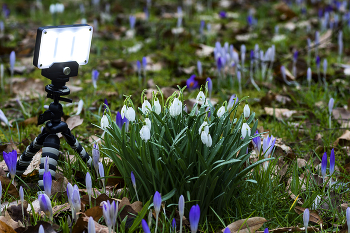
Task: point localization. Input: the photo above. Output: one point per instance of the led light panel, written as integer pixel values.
(55, 44)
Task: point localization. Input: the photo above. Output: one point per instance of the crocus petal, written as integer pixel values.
(331, 162)
(145, 226)
(306, 217)
(91, 225)
(324, 164)
(157, 202)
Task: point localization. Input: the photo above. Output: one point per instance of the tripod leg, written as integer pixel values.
(51, 147)
(27, 156)
(73, 142)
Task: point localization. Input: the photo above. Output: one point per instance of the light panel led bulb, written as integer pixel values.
(55, 44)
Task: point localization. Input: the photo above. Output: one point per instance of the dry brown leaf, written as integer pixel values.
(280, 113)
(73, 88)
(29, 87)
(314, 217)
(12, 191)
(250, 225)
(95, 212)
(74, 121)
(59, 185)
(343, 140)
(342, 115)
(56, 210)
(10, 222)
(291, 229)
(34, 164)
(4, 228)
(137, 205)
(286, 12)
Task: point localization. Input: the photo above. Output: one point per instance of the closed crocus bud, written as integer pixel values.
(104, 122)
(101, 170)
(47, 180)
(138, 65)
(69, 193)
(145, 226)
(306, 217)
(21, 194)
(173, 224)
(348, 217)
(227, 230)
(41, 229)
(331, 163)
(181, 206)
(144, 63)
(318, 60)
(239, 76)
(123, 111)
(246, 111)
(232, 101)
(130, 114)
(88, 183)
(11, 160)
(243, 51)
(76, 200)
(133, 181)
(194, 218)
(80, 107)
(266, 230)
(3, 118)
(12, 61)
(330, 105)
(45, 205)
(324, 165)
(157, 202)
(245, 130)
(91, 225)
(146, 107)
(157, 107)
(210, 86)
(145, 133)
(199, 67)
(221, 111)
(200, 96)
(95, 156)
(309, 75)
(94, 77)
(325, 66)
(132, 21)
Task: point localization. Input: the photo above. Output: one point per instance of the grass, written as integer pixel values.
(268, 197)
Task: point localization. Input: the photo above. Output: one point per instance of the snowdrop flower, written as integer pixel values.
(175, 107)
(221, 111)
(206, 139)
(80, 107)
(194, 218)
(246, 111)
(130, 114)
(45, 205)
(104, 122)
(145, 133)
(146, 107)
(245, 130)
(157, 107)
(204, 127)
(3, 118)
(148, 123)
(91, 225)
(94, 78)
(316, 202)
(200, 96)
(306, 217)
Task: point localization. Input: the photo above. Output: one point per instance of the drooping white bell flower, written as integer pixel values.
(157, 107)
(145, 133)
(200, 96)
(146, 107)
(104, 122)
(245, 130)
(175, 107)
(246, 111)
(130, 114)
(206, 139)
(123, 111)
(148, 123)
(80, 107)
(221, 111)
(204, 127)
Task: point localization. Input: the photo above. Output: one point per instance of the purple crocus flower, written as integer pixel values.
(318, 60)
(200, 69)
(47, 180)
(3, 118)
(12, 62)
(132, 21)
(45, 205)
(251, 55)
(144, 64)
(157, 202)
(145, 226)
(10, 160)
(295, 56)
(210, 86)
(219, 63)
(320, 13)
(227, 230)
(105, 104)
(138, 65)
(330, 105)
(250, 20)
(94, 77)
(268, 145)
(306, 217)
(201, 27)
(324, 165)
(266, 230)
(192, 83)
(173, 224)
(257, 143)
(232, 101)
(194, 217)
(331, 163)
(222, 14)
(133, 179)
(120, 121)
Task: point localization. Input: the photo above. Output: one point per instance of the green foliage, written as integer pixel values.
(175, 157)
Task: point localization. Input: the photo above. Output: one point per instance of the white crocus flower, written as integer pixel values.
(245, 130)
(148, 123)
(145, 133)
(157, 107)
(146, 107)
(246, 111)
(130, 114)
(205, 126)
(104, 122)
(200, 96)
(221, 111)
(175, 108)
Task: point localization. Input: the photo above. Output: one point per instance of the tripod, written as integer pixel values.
(48, 140)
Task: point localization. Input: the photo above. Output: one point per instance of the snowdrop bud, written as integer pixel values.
(21, 194)
(104, 122)
(221, 111)
(246, 111)
(83, 21)
(80, 107)
(181, 206)
(157, 107)
(91, 225)
(145, 133)
(309, 75)
(330, 105)
(306, 217)
(12, 61)
(200, 96)
(316, 202)
(148, 123)
(245, 130)
(146, 107)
